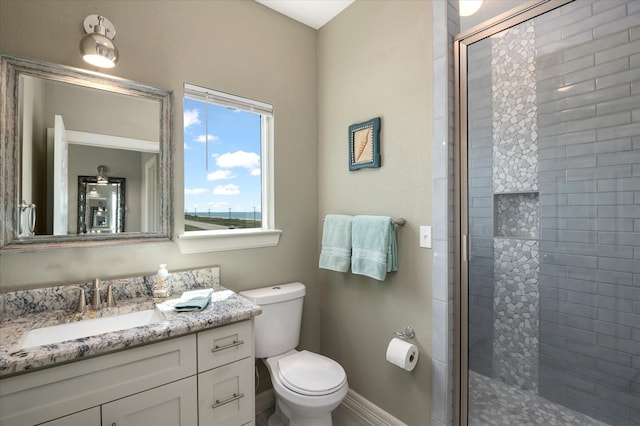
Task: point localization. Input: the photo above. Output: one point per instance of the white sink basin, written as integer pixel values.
(89, 327)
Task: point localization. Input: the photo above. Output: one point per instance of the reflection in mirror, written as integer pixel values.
(101, 205)
(81, 133)
(133, 159)
(60, 124)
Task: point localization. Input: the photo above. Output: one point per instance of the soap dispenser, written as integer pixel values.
(161, 287)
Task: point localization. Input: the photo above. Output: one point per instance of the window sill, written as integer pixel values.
(236, 239)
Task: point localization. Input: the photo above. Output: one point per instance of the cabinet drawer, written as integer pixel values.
(225, 394)
(55, 392)
(222, 345)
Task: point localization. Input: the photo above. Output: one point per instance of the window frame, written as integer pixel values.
(233, 239)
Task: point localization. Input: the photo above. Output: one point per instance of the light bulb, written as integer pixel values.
(469, 7)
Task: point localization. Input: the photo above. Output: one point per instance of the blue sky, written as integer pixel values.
(233, 177)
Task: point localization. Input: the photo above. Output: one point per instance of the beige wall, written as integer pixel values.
(83, 110)
(238, 47)
(374, 59)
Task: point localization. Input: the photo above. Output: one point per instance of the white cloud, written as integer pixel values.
(195, 191)
(255, 172)
(247, 160)
(201, 138)
(219, 175)
(229, 189)
(191, 118)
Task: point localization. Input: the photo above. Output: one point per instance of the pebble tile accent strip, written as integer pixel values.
(516, 320)
(515, 112)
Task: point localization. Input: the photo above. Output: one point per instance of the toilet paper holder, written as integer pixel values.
(408, 333)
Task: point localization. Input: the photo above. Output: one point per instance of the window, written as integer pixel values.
(227, 185)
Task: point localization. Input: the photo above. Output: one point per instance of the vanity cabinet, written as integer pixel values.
(204, 378)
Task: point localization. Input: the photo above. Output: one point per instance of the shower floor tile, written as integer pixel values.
(493, 403)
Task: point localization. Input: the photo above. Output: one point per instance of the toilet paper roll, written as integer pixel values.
(402, 353)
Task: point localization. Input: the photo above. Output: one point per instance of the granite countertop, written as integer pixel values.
(226, 307)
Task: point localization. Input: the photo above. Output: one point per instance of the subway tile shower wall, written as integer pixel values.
(589, 174)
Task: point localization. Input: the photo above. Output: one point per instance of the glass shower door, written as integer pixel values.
(552, 208)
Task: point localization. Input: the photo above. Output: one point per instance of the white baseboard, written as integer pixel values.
(358, 406)
(353, 407)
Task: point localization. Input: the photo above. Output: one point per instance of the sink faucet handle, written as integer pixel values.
(96, 302)
(110, 300)
(82, 300)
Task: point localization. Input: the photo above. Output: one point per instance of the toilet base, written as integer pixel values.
(284, 417)
(277, 418)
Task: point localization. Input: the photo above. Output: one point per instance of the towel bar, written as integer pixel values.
(400, 221)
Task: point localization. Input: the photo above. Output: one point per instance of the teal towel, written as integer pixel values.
(336, 243)
(374, 248)
(194, 301)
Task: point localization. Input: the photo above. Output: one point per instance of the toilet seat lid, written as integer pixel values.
(309, 373)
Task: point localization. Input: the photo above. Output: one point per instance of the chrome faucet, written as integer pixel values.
(95, 301)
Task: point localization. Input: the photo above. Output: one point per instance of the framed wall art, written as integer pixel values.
(364, 144)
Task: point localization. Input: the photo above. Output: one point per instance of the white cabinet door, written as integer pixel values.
(225, 394)
(90, 417)
(174, 404)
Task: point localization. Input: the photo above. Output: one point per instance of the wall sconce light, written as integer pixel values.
(469, 7)
(96, 47)
(102, 178)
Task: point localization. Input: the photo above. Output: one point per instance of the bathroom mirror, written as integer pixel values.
(101, 205)
(59, 124)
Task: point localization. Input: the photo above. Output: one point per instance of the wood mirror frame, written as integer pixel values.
(11, 68)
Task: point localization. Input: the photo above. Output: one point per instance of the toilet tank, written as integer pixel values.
(277, 329)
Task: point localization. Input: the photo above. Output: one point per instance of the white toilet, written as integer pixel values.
(308, 386)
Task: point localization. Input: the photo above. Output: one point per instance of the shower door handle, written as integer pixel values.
(465, 248)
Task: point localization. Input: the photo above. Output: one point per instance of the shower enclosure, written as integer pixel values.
(549, 130)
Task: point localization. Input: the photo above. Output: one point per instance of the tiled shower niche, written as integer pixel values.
(516, 215)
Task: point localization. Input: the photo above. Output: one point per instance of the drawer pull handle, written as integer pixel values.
(230, 345)
(226, 401)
